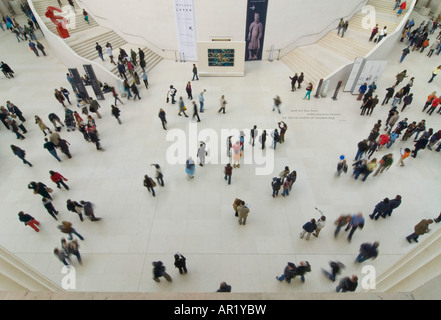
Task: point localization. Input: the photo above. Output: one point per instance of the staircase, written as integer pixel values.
(332, 51)
(76, 26)
(84, 37)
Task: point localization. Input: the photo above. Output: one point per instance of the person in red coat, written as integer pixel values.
(58, 179)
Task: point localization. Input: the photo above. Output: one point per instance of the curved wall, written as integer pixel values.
(154, 21)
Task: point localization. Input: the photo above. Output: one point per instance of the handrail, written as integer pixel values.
(289, 47)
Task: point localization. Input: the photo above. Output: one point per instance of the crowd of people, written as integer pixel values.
(383, 135)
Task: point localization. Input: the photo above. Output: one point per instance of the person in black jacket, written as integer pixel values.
(20, 153)
(75, 207)
(41, 189)
(159, 271)
(224, 287)
(149, 184)
(288, 273)
(389, 94)
(302, 269)
(380, 209)
(362, 148)
(135, 91)
(308, 228)
(347, 284)
(50, 207)
(393, 204)
(180, 263)
(28, 220)
(276, 184)
(421, 144)
(367, 251)
(336, 267)
(116, 112)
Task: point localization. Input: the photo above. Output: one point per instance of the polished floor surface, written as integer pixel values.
(195, 216)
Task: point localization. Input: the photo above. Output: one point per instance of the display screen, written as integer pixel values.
(221, 57)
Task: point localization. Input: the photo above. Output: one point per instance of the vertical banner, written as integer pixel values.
(94, 81)
(354, 75)
(185, 23)
(79, 83)
(255, 29)
(371, 72)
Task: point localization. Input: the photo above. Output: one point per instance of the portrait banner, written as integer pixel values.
(255, 29)
(185, 24)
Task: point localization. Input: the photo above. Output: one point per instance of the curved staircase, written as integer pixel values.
(84, 37)
(332, 51)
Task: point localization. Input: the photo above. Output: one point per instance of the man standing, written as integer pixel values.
(33, 48)
(195, 111)
(420, 229)
(389, 94)
(71, 81)
(362, 148)
(393, 204)
(100, 51)
(195, 72)
(201, 101)
(253, 135)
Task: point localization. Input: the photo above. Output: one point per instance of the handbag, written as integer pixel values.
(167, 99)
(49, 190)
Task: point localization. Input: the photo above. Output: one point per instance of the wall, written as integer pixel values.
(154, 21)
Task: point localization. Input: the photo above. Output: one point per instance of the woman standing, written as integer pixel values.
(308, 91)
(189, 91)
(263, 139)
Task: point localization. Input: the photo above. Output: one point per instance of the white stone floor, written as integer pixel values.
(195, 217)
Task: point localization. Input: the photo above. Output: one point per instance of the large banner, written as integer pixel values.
(79, 83)
(255, 29)
(185, 24)
(94, 82)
